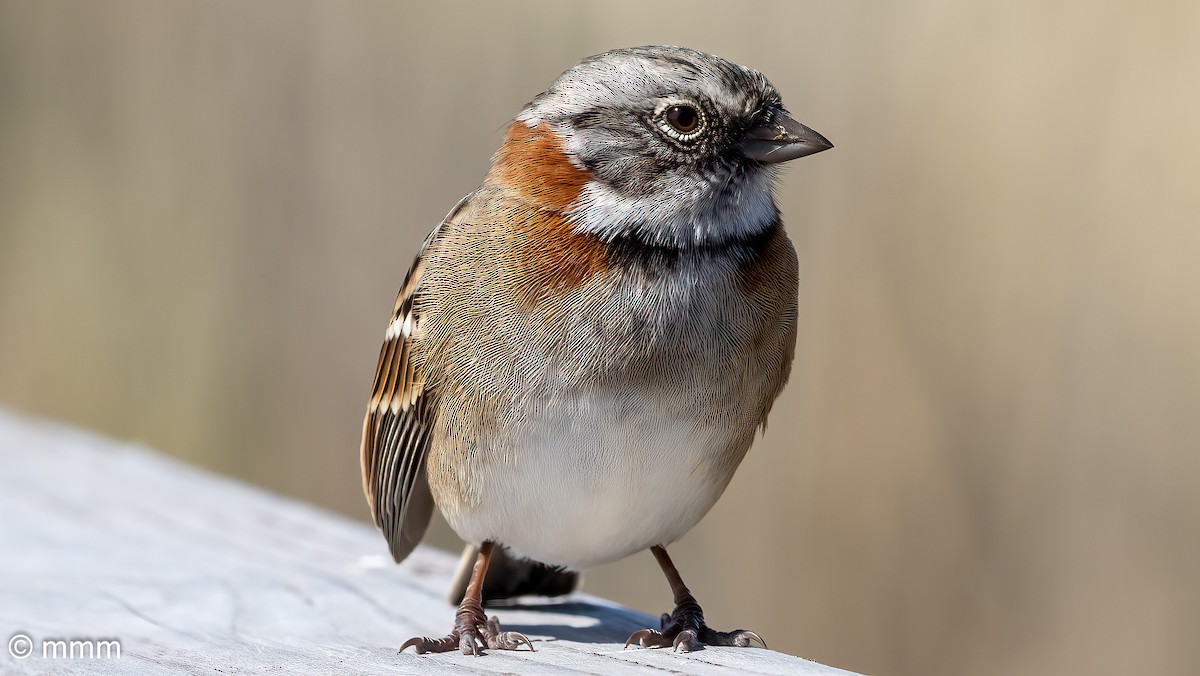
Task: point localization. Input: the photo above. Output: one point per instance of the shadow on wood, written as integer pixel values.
(191, 572)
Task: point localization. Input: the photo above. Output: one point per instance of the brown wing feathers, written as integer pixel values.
(397, 424)
(394, 442)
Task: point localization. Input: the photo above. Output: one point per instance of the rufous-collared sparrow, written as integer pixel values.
(581, 354)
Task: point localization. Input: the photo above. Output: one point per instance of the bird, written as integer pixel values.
(586, 346)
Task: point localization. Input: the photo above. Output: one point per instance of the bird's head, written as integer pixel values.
(666, 145)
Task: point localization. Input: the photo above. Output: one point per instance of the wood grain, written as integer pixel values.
(194, 573)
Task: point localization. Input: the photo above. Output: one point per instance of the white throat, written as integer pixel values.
(680, 214)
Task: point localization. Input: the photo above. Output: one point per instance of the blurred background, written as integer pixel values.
(987, 459)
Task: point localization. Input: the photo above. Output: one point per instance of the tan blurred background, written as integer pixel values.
(987, 460)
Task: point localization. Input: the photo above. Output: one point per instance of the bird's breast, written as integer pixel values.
(608, 418)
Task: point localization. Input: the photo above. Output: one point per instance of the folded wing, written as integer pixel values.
(399, 420)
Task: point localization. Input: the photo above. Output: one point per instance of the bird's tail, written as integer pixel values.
(509, 577)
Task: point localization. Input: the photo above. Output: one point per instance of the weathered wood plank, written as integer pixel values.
(194, 573)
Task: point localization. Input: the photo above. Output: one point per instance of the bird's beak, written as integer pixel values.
(782, 138)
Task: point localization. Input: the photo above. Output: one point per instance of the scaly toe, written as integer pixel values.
(691, 640)
(687, 641)
(424, 644)
(740, 638)
(505, 640)
(647, 638)
(468, 644)
(509, 640)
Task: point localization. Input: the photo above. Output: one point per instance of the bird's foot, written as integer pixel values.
(472, 631)
(685, 630)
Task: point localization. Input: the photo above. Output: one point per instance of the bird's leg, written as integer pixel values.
(472, 628)
(685, 629)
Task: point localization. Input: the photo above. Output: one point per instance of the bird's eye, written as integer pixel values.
(685, 119)
(681, 121)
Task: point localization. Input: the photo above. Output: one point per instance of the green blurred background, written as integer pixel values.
(987, 459)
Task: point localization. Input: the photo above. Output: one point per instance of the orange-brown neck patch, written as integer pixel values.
(532, 164)
(547, 257)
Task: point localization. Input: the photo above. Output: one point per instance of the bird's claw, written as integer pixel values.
(739, 638)
(469, 638)
(424, 644)
(687, 641)
(648, 638)
(688, 633)
(505, 640)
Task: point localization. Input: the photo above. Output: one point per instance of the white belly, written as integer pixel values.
(597, 478)
(617, 426)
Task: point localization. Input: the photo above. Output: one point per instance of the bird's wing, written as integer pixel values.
(399, 420)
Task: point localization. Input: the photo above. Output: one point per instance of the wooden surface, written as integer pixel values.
(194, 573)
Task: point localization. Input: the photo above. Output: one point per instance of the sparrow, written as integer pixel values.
(584, 349)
